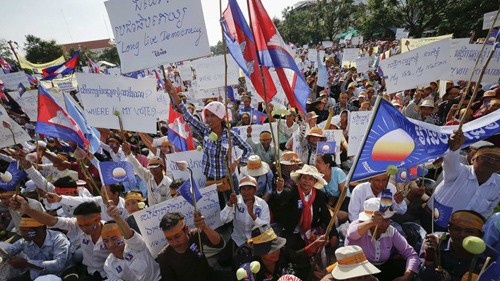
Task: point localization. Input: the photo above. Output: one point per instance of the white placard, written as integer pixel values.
(327, 44)
(350, 54)
(150, 33)
(362, 64)
(149, 219)
(463, 57)
(65, 86)
(358, 121)
(162, 105)
(210, 72)
(6, 138)
(256, 130)
(11, 80)
(488, 20)
(185, 71)
(114, 71)
(193, 157)
(401, 33)
(412, 44)
(134, 98)
(417, 67)
(28, 102)
(357, 40)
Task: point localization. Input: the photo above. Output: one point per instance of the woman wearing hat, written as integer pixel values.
(300, 210)
(263, 175)
(351, 265)
(373, 232)
(309, 144)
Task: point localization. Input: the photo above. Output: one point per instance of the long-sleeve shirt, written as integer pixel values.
(53, 256)
(379, 251)
(242, 221)
(118, 156)
(137, 263)
(265, 155)
(157, 192)
(362, 192)
(460, 189)
(215, 153)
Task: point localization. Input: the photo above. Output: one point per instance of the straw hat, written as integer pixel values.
(426, 103)
(489, 94)
(264, 241)
(396, 103)
(255, 167)
(371, 206)
(290, 158)
(248, 181)
(351, 263)
(316, 131)
(155, 162)
(311, 171)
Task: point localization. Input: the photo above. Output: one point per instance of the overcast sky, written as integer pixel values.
(68, 21)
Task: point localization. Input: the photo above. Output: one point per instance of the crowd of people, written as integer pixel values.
(281, 200)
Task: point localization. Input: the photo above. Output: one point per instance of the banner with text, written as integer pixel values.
(150, 33)
(210, 72)
(412, 44)
(135, 99)
(149, 219)
(193, 157)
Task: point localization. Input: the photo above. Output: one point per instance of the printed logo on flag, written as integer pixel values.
(185, 191)
(11, 177)
(326, 147)
(21, 89)
(441, 214)
(403, 175)
(116, 172)
(385, 200)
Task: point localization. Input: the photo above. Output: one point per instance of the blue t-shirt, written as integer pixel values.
(332, 188)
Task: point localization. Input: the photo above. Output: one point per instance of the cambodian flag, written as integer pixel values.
(55, 122)
(178, 131)
(7, 67)
(66, 68)
(159, 81)
(33, 81)
(94, 68)
(241, 45)
(91, 133)
(273, 52)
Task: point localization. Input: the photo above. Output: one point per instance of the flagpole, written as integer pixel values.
(194, 204)
(15, 54)
(228, 124)
(269, 113)
(474, 69)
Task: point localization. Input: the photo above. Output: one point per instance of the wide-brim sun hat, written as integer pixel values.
(290, 158)
(371, 206)
(351, 263)
(255, 167)
(311, 171)
(264, 241)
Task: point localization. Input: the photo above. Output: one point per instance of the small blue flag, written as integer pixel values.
(441, 214)
(21, 89)
(258, 117)
(385, 200)
(116, 172)
(326, 147)
(185, 191)
(403, 175)
(230, 93)
(11, 177)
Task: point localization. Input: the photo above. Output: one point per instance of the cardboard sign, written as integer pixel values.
(363, 64)
(488, 20)
(149, 219)
(210, 72)
(357, 40)
(420, 42)
(358, 121)
(401, 33)
(28, 102)
(150, 33)
(193, 157)
(419, 66)
(135, 99)
(6, 138)
(11, 80)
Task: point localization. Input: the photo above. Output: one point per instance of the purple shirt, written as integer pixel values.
(379, 251)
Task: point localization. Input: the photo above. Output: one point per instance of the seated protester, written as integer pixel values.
(373, 189)
(86, 227)
(133, 203)
(309, 144)
(287, 127)
(182, 259)
(414, 195)
(454, 259)
(112, 191)
(289, 162)
(300, 210)
(246, 211)
(492, 232)
(425, 113)
(335, 179)
(158, 183)
(262, 174)
(351, 265)
(15, 212)
(112, 147)
(373, 232)
(129, 257)
(276, 259)
(264, 149)
(467, 187)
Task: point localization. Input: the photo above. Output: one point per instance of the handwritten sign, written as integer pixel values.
(350, 54)
(357, 40)
(463, 56)
(6, 138)
(149, 219)
(422, 65)
(420, 42)
(135, 99)
(335, 136)
(12, 80)
(193, 157)
(65, 86)
(162, 105)
(149, 33)
(358, 121)
(488, 20)
(210, 72)
(185, 71)
(363, 64)
(401, 33)
(28, 102)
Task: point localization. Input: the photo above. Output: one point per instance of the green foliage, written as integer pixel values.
(5, 51)
(109, 55)
(217, 49)
(41, 51)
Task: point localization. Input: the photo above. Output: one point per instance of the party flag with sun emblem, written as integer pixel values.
(113, 172)
(326, 147)
(11, 177)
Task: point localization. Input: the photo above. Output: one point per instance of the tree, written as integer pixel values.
(5, 51)
(217, 49)
(377, 19)
(110, 55)
(41, 51)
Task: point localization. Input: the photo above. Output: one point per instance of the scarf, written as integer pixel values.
(306, 216)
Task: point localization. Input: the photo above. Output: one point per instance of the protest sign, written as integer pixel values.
(149, 219)
(65, 86)
(362, 64)
(488, 20)
(114, 71)
(327, 44)
(185, 71)
(401, 33)
(422, 65)
(150, 33)
(463, 57)
(28, 102)
(335, 136)
(210, 72)
(411, 44)
(162, 105)
(357, 40)
(134, 98)
(6, 138)
(256, 130)
(12, 80)
(193, 157)
(358, 121)
(350, 54)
